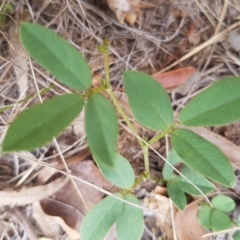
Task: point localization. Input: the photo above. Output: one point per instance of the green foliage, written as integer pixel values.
(178, 183)
(236, 235)
(129, 219)
(100, 219)
(214, 106)
(176, 194)
(215, 218)
(37, 125)
(7, 8)
(121, 174)
(223, 203)
(203, 157)
(204, 216)
(150, 103)
(195, 157)
(219, 220)
(56, 55)
(101, 128)
(130, 224)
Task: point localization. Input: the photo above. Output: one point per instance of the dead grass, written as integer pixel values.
(167, 35)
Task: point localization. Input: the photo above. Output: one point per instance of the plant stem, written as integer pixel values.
(122, 113)
(161, 135)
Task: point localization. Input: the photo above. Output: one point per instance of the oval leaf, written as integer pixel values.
(223, 203)
(201, 182)
(177, 195)
(37, 125)
(101, 128)
(149, 102)
(100, 219)
(219, 220)
(217, 105)
(174, 159)
(236, 235)
(130, 224)
(203, 157)
(121, 174)
(204, 216)
(56, 55)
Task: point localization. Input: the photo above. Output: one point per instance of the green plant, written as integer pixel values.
(215, 218)
(200, 160)
(5, 9)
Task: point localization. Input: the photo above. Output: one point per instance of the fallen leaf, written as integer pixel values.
(32, 194)
(44, 221)
(186, 223)
(175, 78)
(66, 207)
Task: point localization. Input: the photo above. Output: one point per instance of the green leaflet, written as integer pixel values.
(100, 219)
(203, 157)
(130, 224)
(121, 174)
(37, 125)
(102, 129)
(217, 105)
(202, 183)
(174, 159)
(56, 55)
(176, 194)
(236, 235)
(223, 203)
(149, 102)
(219, 220)
(204, 216)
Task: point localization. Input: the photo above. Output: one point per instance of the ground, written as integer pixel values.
(202, 37)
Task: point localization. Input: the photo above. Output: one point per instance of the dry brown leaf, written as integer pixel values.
(44, 221)
(32, 194)
(186, 223)
(175, 78)
(66, 206)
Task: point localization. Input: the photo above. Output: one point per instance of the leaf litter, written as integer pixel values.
(155, 35)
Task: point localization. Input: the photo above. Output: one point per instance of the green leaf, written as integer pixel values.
(238, 221)
(204, 216)
(130, 224)
(56, 55)
(202, 183)
(101, 128)
(121, 174)
(100, 219)
(150, 103)
(219, 220)
(177, 195)
(217, 105)
(236, 235)
(37, 125)
(203, 157)
(6, 9)
(174, 159)
(223, 203)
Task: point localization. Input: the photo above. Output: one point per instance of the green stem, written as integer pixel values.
(123, 114)
(159, 136)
